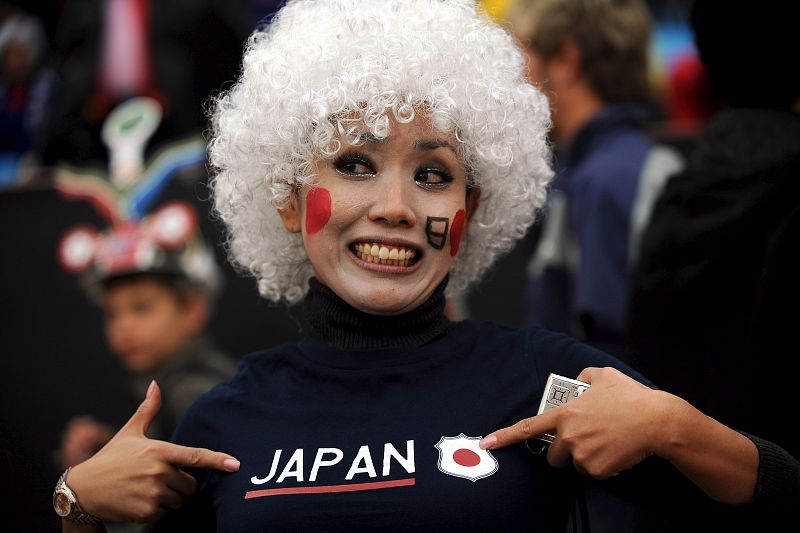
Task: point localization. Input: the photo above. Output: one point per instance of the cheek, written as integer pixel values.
(318, 210)
(114, 327)
(457, 231)
(112, 334)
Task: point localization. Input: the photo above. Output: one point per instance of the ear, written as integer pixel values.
(569, 60)
(473, 200)
(534, 69)
(290, 214)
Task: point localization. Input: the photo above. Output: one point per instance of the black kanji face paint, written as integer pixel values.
(436, 231)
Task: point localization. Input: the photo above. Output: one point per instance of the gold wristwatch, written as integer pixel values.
(66, 503)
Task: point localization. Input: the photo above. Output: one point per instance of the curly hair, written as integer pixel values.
(322, 68)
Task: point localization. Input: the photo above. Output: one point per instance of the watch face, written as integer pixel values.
(62, 504)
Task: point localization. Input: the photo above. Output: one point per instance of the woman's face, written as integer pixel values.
(383, 222)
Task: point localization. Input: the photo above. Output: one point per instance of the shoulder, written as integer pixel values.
(528, 341)
(255, 369)
(532, 338)
(543, 351)
(506, 341)
(619, 151)
(611, 166)
(202, 364)
(254, 376)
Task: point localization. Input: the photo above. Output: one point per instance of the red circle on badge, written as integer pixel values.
(466, 457)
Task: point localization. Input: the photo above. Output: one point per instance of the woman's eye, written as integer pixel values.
(433, 178)
(354, 166)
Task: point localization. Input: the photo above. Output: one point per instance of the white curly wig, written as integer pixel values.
(320, 67)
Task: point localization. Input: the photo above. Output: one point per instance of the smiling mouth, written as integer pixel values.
(374, 252)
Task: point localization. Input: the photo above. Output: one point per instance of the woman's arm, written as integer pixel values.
(133, 478)
(618, 422)
(719, 460)
(74, 527)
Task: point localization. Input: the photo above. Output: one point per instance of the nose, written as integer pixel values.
(393, 202)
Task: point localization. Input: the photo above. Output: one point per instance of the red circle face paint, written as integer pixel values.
(456, 231)
(318, 210)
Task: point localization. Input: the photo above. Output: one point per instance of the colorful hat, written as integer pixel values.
(167, 241)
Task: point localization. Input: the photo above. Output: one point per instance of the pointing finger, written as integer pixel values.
(198, 458)
(522, 430)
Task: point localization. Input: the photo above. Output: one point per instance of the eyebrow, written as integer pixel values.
(366, 136)
(433, 144)
(423, 145)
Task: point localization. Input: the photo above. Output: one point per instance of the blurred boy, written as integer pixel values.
(154, 281)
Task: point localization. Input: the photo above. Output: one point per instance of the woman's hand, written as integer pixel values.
(612, 426)
(618, 422)
(133, 478)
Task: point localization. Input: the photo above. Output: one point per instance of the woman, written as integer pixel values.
(372, 157)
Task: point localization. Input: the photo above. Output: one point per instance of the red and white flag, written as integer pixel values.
(461, 457)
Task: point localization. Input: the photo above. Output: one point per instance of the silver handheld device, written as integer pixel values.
(557, 391)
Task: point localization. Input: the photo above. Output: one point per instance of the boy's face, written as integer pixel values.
(383, 221)
(146, 322)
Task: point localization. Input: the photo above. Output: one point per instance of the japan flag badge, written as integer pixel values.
(461, 457)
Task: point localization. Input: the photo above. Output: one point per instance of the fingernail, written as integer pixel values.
(150, 389)
(231, 465)
(487, 442)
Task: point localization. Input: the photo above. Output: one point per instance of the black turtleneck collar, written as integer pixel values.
(339, 324)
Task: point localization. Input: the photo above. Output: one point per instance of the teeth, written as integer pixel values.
(384, 255)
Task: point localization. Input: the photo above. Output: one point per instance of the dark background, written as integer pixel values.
(54, 362)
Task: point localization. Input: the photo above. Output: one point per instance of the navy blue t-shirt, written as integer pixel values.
(334, 439)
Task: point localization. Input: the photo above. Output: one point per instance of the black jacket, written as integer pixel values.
(712, 314)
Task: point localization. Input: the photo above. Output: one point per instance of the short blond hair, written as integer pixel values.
(613, 36)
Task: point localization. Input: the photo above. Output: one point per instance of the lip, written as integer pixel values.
(386, 241)
(386, 269)
(129, 351)
(130, 354)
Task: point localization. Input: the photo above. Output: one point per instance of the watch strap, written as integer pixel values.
(77, 514)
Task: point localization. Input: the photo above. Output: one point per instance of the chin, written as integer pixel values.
(138, 363)
(382, 293)
(385, 304)
(396, 309)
